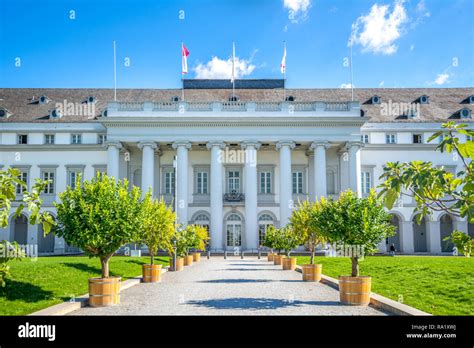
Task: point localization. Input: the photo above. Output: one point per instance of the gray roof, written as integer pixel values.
(444, 103)
(239, 84)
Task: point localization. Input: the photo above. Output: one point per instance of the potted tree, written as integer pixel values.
(274, 242)
(358, 225)
(100, 216)
(269, 240)
(179, 246)
(289, 241)
(310, 234)
(197, 240)
(157, 230)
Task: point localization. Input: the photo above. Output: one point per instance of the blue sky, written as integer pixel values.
(68, 43)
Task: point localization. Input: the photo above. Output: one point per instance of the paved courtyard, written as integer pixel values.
(230, 287)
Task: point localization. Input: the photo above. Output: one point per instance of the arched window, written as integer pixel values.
(20, 229)
(234, 230)
(202, 220)
(264, 221)
(45, 243)
(446, 228)
(395, 239)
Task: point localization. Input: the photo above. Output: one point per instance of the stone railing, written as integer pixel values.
(305, 108)
(234, 197)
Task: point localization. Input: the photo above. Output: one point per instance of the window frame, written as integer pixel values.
(50, 136)
(389, 136)
(77, 136)
(19, 136)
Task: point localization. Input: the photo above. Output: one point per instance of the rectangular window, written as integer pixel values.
(234, 181)
(365, 182)
(468, 138)
(73, 176)
(417, 139)
(49, 139)
(22, 139)
(364, 138)
(76, 139)
(101, 139)
(23, 177)
(390, 138)
(297, 182)
(265, 182)
(169, 183)
(202, 182)
(49, 175)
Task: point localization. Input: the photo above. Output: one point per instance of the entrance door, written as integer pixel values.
(446, 228)
(45, 243)
(20, 229)
(419, 236)
(234, 231)
(395, 239)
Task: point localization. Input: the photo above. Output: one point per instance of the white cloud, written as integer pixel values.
(412, 47)
(441, 79)
(298, 9)
(345, 85)
(378, 30)
(381, 83)
(218, 68)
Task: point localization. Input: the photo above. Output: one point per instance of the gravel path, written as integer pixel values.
(230, 287)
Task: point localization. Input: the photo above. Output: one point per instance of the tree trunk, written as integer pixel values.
(104, 261)
(311, 260)
(355, 266)
(152, 259)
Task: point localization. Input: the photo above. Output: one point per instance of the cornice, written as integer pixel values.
(53, 147)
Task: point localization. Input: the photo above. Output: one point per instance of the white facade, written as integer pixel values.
(238, 166)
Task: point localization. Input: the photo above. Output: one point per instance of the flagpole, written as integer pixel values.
(350, 65)
(284, 74)
(115, 74)
(182, 72)
(233, 70)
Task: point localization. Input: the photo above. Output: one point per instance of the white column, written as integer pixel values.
(320, 186)
(251, 196)
(433, 237)
(182, 180)
(286, 199)
(148, 165)
(354, 167)
(217, 210)
(113, 159)
(406, 237)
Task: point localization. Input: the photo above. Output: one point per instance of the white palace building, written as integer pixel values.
(235, 163)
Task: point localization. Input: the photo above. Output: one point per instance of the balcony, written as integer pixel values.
(241, 108)
(234, 197)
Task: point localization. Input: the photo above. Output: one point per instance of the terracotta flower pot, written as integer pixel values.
(151, 273)
(289, 263)
(196, 257)
(270, 257)
(104, 291)
(312, 273)
(188, 260)
(354, 290)
(277, 259)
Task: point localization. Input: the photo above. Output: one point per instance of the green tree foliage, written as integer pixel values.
(196, 237)
(157, 225)
(463, 242)
(288, 239)
(354, 222)
(9, 181)
(309, 234)
(433, 188)
(99, 216)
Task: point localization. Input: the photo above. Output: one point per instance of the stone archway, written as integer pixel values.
(20, 229)
(395, 239)
(445, 229)
(419, 236)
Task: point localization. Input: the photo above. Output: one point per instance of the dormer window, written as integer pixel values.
(233, 98)
(4, 113)
(175, 99)
(465, 113)
(375, 99)
(471, 99)
(43, 99)
(104, 113)
(290, 98)
(91, 99)
(55, 113)
(424, 99)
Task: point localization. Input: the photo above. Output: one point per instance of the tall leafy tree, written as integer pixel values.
(435, 188)
(99, 216)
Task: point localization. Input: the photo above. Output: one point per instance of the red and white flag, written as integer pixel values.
(283, 61)
(185, 54)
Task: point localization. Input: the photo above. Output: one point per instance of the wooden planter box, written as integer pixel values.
(104, 292)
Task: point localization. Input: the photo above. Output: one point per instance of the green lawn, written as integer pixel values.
(435, 284)
(35, 285)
